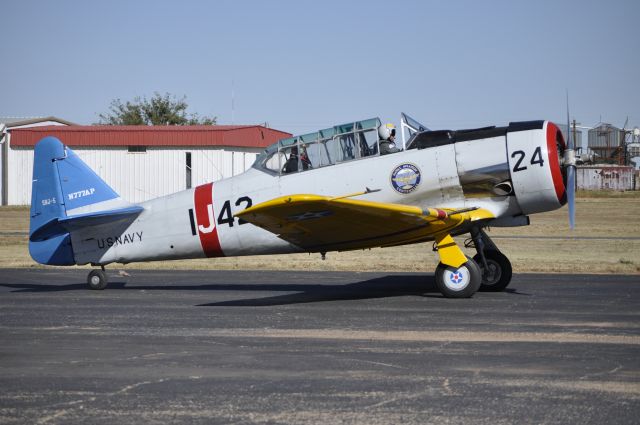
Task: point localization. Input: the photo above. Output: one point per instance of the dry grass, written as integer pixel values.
(607, 217)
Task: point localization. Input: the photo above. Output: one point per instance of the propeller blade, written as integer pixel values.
(571, 195)
(569, 138)
(570, 164)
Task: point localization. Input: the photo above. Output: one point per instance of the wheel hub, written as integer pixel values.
(457, 280)
(492, 274)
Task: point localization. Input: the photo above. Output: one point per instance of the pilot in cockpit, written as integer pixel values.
(387, 134)
(291, 166)
(304, 158)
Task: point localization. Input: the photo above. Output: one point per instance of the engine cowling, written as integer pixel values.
(534, 153)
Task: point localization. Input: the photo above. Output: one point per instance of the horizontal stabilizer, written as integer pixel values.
(59, 226)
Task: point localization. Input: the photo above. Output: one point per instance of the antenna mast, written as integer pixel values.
(233, 104)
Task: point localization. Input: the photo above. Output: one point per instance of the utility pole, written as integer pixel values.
(624, 158)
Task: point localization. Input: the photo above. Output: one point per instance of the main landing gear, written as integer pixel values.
(495, 266)
(97, 279)
(458, 276)
(458, 282)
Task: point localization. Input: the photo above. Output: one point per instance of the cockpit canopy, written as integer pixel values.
(341, 143)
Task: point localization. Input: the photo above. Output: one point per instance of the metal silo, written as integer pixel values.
(576, 135)
(605, 140)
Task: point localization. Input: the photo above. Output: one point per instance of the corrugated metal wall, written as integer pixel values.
(138, 176)
(605, 178)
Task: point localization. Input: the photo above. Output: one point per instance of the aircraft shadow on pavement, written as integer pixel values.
(379, 287)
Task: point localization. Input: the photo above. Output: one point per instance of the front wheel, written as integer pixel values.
(461, 282)
(498, 274)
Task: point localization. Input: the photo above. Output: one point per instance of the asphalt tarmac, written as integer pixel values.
(316, 347)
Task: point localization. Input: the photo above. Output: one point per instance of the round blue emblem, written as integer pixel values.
(405, 178)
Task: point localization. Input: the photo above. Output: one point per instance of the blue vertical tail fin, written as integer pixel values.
(65, 189)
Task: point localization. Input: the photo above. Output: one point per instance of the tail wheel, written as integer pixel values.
(498, 275)
(461, 282)
(97, 279)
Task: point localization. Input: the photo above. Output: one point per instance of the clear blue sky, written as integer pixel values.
(304, 65)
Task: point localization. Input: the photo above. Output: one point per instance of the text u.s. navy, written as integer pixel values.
(119, 240)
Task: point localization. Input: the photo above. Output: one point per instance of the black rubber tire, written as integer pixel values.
(97, 280)
(470, 273)
(500, 269)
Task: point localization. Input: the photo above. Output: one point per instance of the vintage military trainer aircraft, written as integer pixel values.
(348, 187)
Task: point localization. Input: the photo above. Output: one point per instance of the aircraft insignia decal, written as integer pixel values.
(405, 178)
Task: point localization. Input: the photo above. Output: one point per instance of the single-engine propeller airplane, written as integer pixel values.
(348, 187)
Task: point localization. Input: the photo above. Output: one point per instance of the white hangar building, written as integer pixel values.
(138, 162)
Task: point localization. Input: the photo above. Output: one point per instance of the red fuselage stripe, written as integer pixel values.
(205, 217)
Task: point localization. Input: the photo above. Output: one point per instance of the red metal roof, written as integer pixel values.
(250, 136)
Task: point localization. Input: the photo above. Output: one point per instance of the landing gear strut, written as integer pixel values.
(97, 279)
(495, 266)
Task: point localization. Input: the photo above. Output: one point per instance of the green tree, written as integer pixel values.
(159, 110)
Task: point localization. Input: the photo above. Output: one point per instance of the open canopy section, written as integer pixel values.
(409, 128)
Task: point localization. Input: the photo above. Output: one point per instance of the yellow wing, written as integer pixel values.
(321, 223)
